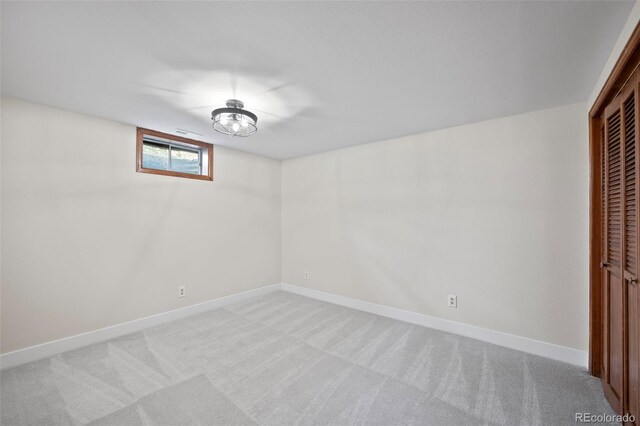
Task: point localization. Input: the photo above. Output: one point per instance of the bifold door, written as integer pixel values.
(619, 266)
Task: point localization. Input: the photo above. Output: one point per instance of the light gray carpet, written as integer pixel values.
(283, 359)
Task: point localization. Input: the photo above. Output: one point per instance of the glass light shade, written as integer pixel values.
(234, 120)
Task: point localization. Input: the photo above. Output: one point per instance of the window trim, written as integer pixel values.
(141, 132)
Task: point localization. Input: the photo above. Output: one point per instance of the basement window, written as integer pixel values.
(164, 154)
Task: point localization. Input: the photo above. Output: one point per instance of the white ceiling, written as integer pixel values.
(320, 75)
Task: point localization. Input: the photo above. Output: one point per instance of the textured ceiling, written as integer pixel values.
(320, 75)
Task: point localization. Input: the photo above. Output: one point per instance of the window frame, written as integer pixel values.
(141, 132)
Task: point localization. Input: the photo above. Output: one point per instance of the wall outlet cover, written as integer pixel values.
(452, 301)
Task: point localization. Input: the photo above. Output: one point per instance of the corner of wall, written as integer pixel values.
(280, 266)
(627, 30)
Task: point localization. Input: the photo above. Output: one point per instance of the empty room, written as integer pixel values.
(319, 213)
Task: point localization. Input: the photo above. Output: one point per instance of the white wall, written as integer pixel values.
(495, 212)
(87, 242)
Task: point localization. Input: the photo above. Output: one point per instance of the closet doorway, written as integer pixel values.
(614, 123)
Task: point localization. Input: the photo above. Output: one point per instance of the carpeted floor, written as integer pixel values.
(283, 359)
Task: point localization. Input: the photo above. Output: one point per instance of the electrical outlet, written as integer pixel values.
(182, 291)
(306, 275)
(452, 301)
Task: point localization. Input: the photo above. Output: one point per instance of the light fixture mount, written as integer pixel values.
(234, 120)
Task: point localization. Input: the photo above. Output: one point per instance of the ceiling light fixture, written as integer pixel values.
(233, 120)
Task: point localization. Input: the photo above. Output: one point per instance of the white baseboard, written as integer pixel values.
(44, 350)
(536, 347)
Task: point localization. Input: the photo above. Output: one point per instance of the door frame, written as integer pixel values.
(623, 68)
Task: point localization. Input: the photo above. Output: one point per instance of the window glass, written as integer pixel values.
(155, 156)
(185, 160)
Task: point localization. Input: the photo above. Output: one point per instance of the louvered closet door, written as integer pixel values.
(620, 186)
(632, 297)
(613, 263)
